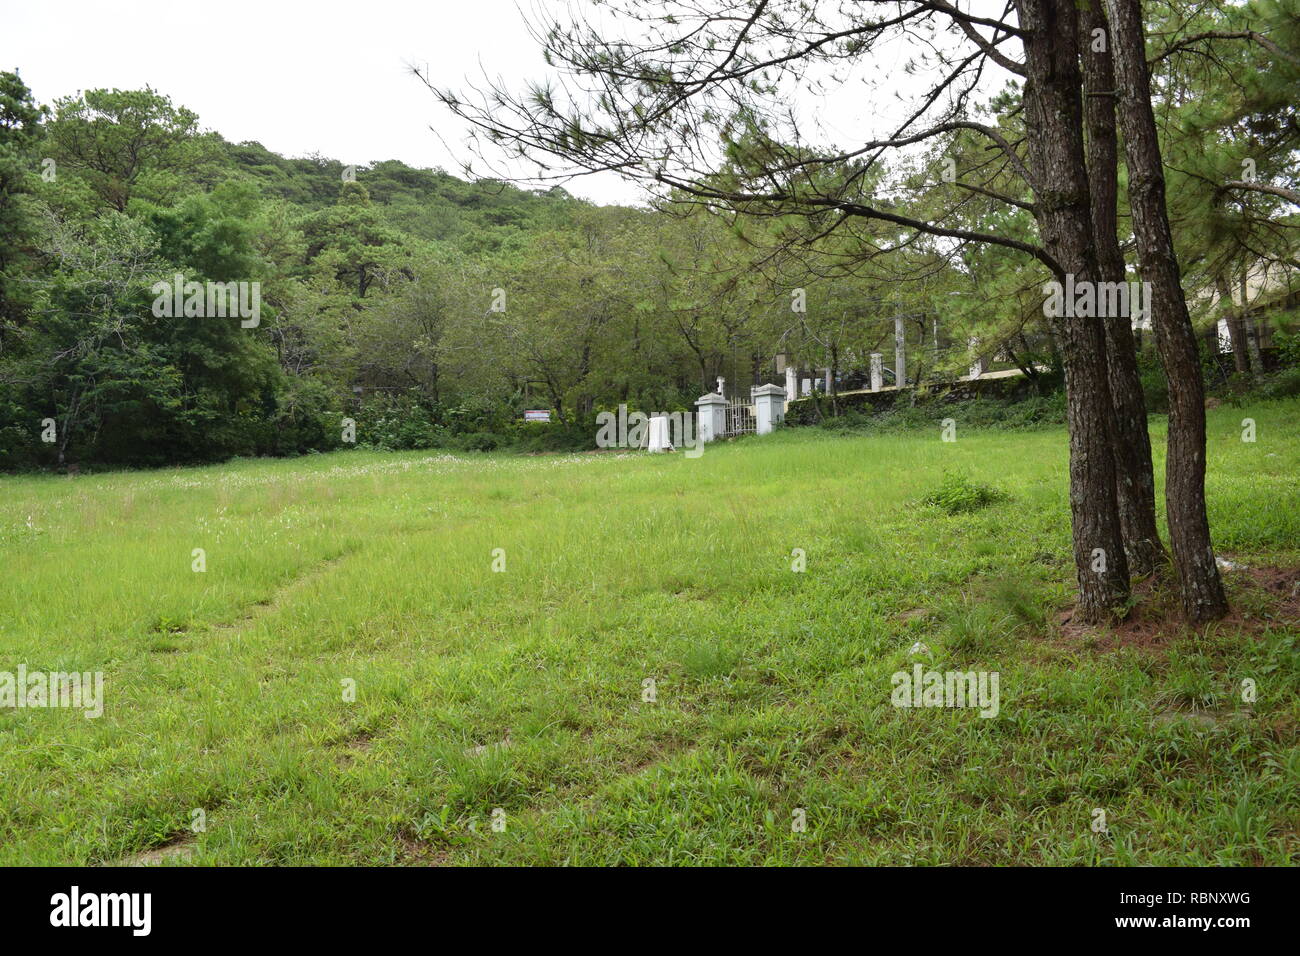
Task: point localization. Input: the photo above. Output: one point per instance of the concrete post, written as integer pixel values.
(712, 415)
(769, 407)
(877, 371)
(791, 384)
(900, 354)
(660, 440)
(977, 365)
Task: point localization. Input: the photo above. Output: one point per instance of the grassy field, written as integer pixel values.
(521, 691)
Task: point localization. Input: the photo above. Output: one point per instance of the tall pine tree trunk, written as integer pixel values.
(1236, 328)
(1189, 528)
(1054, 121)
(1134, 477)
(1250, 333)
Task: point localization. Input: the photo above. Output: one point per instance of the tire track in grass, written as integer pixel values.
(180, 847)
(280, 596)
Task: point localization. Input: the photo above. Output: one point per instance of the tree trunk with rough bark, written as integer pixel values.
(1189, 528)
(1236, 328)
(1134, 476)
(1250, 333)
(1054, 121)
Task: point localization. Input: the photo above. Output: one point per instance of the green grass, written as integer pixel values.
(771, 687)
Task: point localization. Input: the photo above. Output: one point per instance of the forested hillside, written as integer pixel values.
(425, 203)
(430, 311)
(424, 308)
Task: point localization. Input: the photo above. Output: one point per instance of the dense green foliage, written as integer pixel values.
(406, 308)
(426, 310)
(399, 307)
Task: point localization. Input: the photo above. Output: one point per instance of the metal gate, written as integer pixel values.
(740, 419)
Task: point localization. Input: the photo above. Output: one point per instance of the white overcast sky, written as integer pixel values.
(329, 77)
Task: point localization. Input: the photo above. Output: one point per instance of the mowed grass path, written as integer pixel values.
(523, 690)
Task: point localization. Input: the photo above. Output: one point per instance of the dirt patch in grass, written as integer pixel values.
(1260, 597)
(916, 614)
(353, 745)
(1203, 721)
(417, 852)
(653, 753)
(478, 751)
(177, 848)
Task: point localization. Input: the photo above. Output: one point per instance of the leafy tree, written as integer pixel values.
(123, 384)
(351, 241)
(1226, 88)
(128, 143)
(19, 131)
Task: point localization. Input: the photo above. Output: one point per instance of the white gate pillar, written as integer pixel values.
(900, 354)
(769, 407)
(977, 363)
(791, 384)
(712, 416)
(660, 439)
(877, 371)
